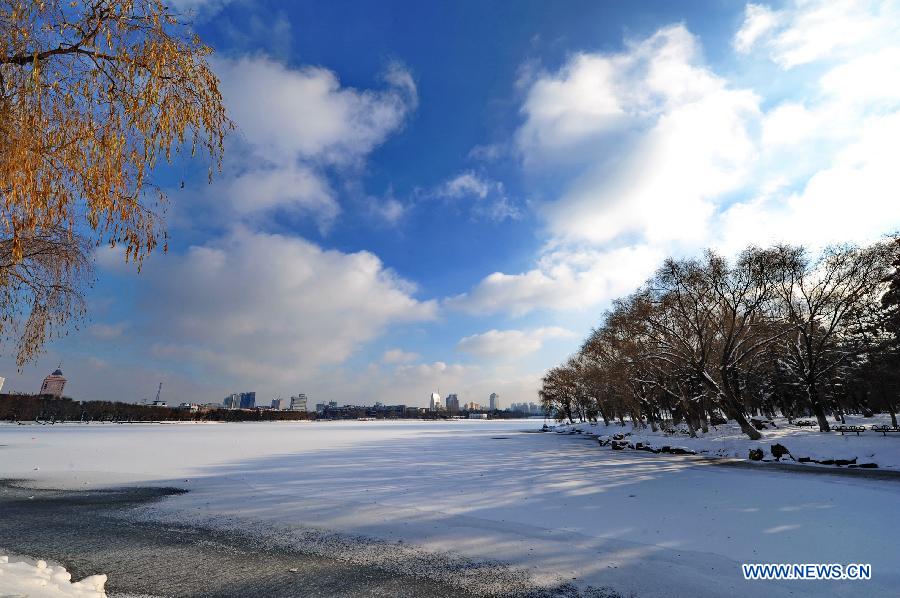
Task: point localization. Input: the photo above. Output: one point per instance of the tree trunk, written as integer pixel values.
(893, 411)
(746, 427)
(821, 417)
(812, 392)
(689, 417)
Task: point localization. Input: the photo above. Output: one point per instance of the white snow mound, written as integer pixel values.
(24, 580)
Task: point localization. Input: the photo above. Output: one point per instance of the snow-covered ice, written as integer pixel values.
(560, 506)
(20, 577)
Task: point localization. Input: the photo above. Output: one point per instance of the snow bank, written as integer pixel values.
(804, 444)
(46, 581)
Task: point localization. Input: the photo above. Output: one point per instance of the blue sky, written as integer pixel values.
(448, 195)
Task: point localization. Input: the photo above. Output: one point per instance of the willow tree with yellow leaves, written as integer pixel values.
(93, 94)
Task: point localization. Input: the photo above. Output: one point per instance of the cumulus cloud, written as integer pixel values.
(297, 188)
(561, 280)
(299, 127)
(272, 309)
(510, 344)
(286, 113)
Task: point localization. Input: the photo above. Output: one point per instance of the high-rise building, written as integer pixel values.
(276, 404)
(53, 384)
(299, 402)
(435, 404)
(248, 400)
(452, 404)
(232, 401)
(494, 401)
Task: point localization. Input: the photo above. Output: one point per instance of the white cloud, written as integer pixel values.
(297, 129)
(286, 113)
(759, 20)
(806, 31)
(510, 344)
(562, 280)
(388, 209)
(296, 188)
(270, 309)
(853, 199)
(681, 135)
(491, 201)
(466, 184)
(399, 356)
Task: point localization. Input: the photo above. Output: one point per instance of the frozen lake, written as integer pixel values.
(560, 506)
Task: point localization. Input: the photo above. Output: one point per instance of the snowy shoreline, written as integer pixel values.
(805, 446)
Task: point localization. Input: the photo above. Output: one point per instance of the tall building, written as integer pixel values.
(299, 402)
(435, 404)
(248, 400)
(452, 404)
(53, 384)
(232, 401)
(276, 404)
(494, 401)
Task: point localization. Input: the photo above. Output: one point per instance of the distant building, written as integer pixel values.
(494, 401)
(2, 380)
(248, 400)
(435, 404)
(232, 401)
(276, 404)
(53, 384)
(472, 406)
(299, 403)
(478, 416)
(159, 404)
(452, 404)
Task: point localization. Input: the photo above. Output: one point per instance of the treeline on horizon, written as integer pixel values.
(46, 408)
(22, 408)
(776, 330)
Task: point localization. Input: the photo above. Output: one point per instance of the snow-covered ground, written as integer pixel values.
(559, 505)
(727, 440)
(21, 577)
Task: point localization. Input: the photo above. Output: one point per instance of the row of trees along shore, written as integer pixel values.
(774, 330)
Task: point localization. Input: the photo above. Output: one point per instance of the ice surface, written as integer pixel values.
(559, 505)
